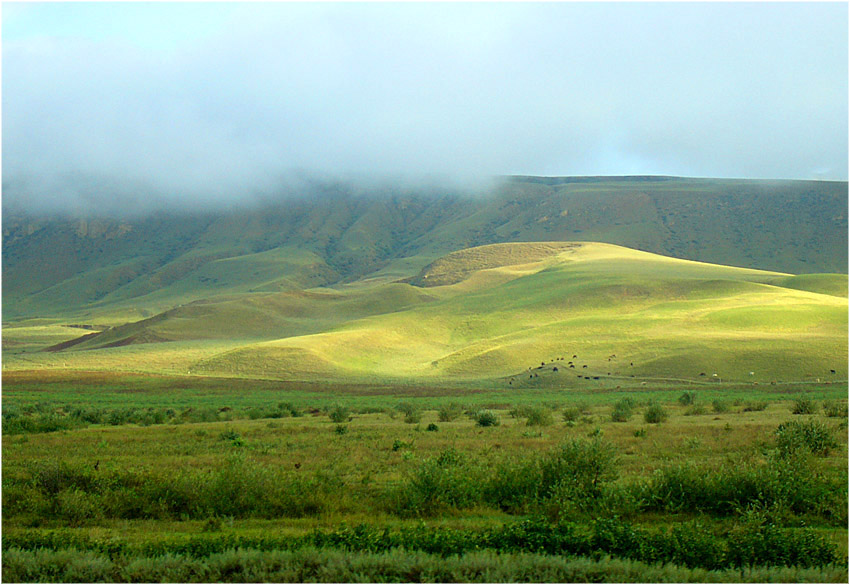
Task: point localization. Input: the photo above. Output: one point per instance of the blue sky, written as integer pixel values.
(214, 101)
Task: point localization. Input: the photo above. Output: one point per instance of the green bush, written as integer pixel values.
(432, 427)
(339, 414)
(719, 406)
(578, 469)
(486, 418)
(443, 482)
(803, 405)
(571, 414)
(695, 410)
(230, 435)
(835, 409)
(623, 410)
(405, 408)
(688, 398)
(413, 417)
(538, 417)
(754, 407)
(811, 436)
(449, 412)
(398, 444)
(655, 414)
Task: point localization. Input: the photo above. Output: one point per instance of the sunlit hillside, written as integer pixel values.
(550, 313)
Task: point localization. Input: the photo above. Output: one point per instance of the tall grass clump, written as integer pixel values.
(623, 410)
(486, 418)
(339, 414)
(835, 409)
(449, 412)
(803, 405)
(578, 469)
(538, 417)
(655, 414)
(571, 414)
(688, 398)
(446, 481)
(811, 436)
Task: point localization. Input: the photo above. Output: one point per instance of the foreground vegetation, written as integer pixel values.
(637, 485)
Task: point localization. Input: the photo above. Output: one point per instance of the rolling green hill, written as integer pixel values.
(509, 314)
(111, 271)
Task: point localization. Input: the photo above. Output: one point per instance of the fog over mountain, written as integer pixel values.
(138, 106)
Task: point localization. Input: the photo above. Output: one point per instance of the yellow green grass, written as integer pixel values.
(496, 313)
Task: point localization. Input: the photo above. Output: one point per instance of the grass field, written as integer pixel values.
(137, 467)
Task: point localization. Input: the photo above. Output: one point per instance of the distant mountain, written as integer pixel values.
(138, 267)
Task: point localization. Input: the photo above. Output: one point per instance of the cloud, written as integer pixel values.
(459, 92)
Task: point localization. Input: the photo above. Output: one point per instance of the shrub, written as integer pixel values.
(578, 470)
(640, 433)
(571, 414)
(538, 417)
(811, 436)
(688, 398)
(695, 410)
(835, 409)
(655, 414)
(622, 410)
(754, 407)
(445, 481)
(449, 412)
(405, 408)
(230, 435)
(719, 406)
(341, 429)
(486, 418)
(413, 417)
(339, 414)
(398, 444)
(432, 427)
(803, 405)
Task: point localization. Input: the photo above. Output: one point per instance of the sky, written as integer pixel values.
(205, 103)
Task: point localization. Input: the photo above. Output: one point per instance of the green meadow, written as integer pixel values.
(538, 411)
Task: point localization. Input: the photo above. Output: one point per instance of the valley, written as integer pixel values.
(618, 379)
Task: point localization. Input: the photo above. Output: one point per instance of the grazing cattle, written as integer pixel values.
(702, 373)
(584, 366)
(555, 369)
(572, 365)
(832, 371)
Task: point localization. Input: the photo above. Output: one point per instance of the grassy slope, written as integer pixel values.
(661, 317)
